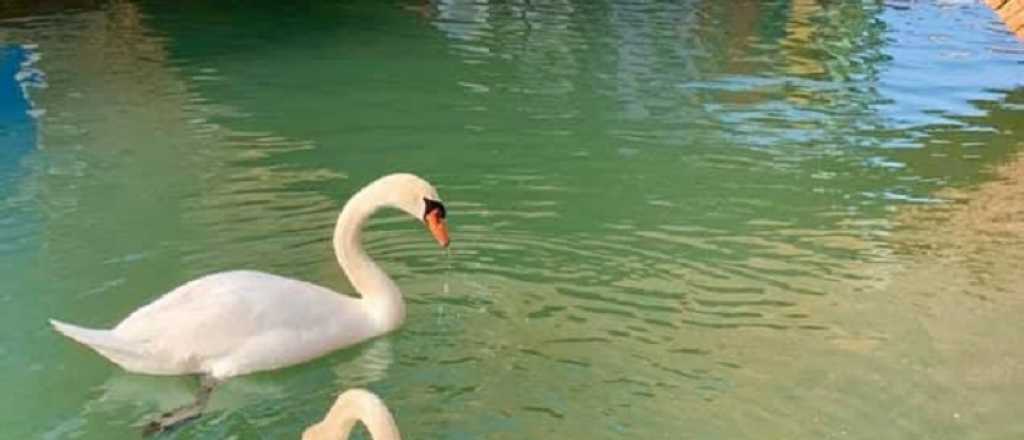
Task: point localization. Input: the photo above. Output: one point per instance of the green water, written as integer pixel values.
(688, 219)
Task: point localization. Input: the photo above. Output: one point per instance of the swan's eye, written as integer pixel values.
(433, 205)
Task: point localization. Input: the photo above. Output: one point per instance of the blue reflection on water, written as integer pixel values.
(17, 127)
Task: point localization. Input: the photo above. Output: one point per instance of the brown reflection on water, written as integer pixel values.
(982, 227)
(28, 8)
(962, 284)
(957, 293)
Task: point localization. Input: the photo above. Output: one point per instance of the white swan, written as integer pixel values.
(232, 323)
(352, 406)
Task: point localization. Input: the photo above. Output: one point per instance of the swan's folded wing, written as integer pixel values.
(216, 315)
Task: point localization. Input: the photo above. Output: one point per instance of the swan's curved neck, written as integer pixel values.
(355, 406)
(381, 295)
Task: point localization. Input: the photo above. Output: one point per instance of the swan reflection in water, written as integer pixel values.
(355, 405)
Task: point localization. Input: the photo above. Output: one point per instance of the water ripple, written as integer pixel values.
(668, 218)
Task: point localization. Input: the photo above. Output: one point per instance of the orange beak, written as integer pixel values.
(437, 227)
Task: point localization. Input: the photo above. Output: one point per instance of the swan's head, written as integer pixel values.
(418, 198)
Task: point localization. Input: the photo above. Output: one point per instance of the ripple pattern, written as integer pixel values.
(680, 219)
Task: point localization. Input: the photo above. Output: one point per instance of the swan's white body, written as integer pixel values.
(352, 406)
(232, 323)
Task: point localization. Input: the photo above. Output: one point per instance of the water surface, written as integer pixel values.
(690, 219)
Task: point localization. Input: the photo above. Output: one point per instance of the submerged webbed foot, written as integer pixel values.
(181, 415)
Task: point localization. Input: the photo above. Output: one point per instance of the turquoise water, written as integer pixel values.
(689, 219)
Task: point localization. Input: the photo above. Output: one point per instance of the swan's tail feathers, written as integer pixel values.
(120, 351)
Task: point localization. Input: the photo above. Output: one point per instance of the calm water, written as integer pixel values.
(671, 219)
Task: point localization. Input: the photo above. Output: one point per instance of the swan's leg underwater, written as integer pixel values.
(178, 416)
